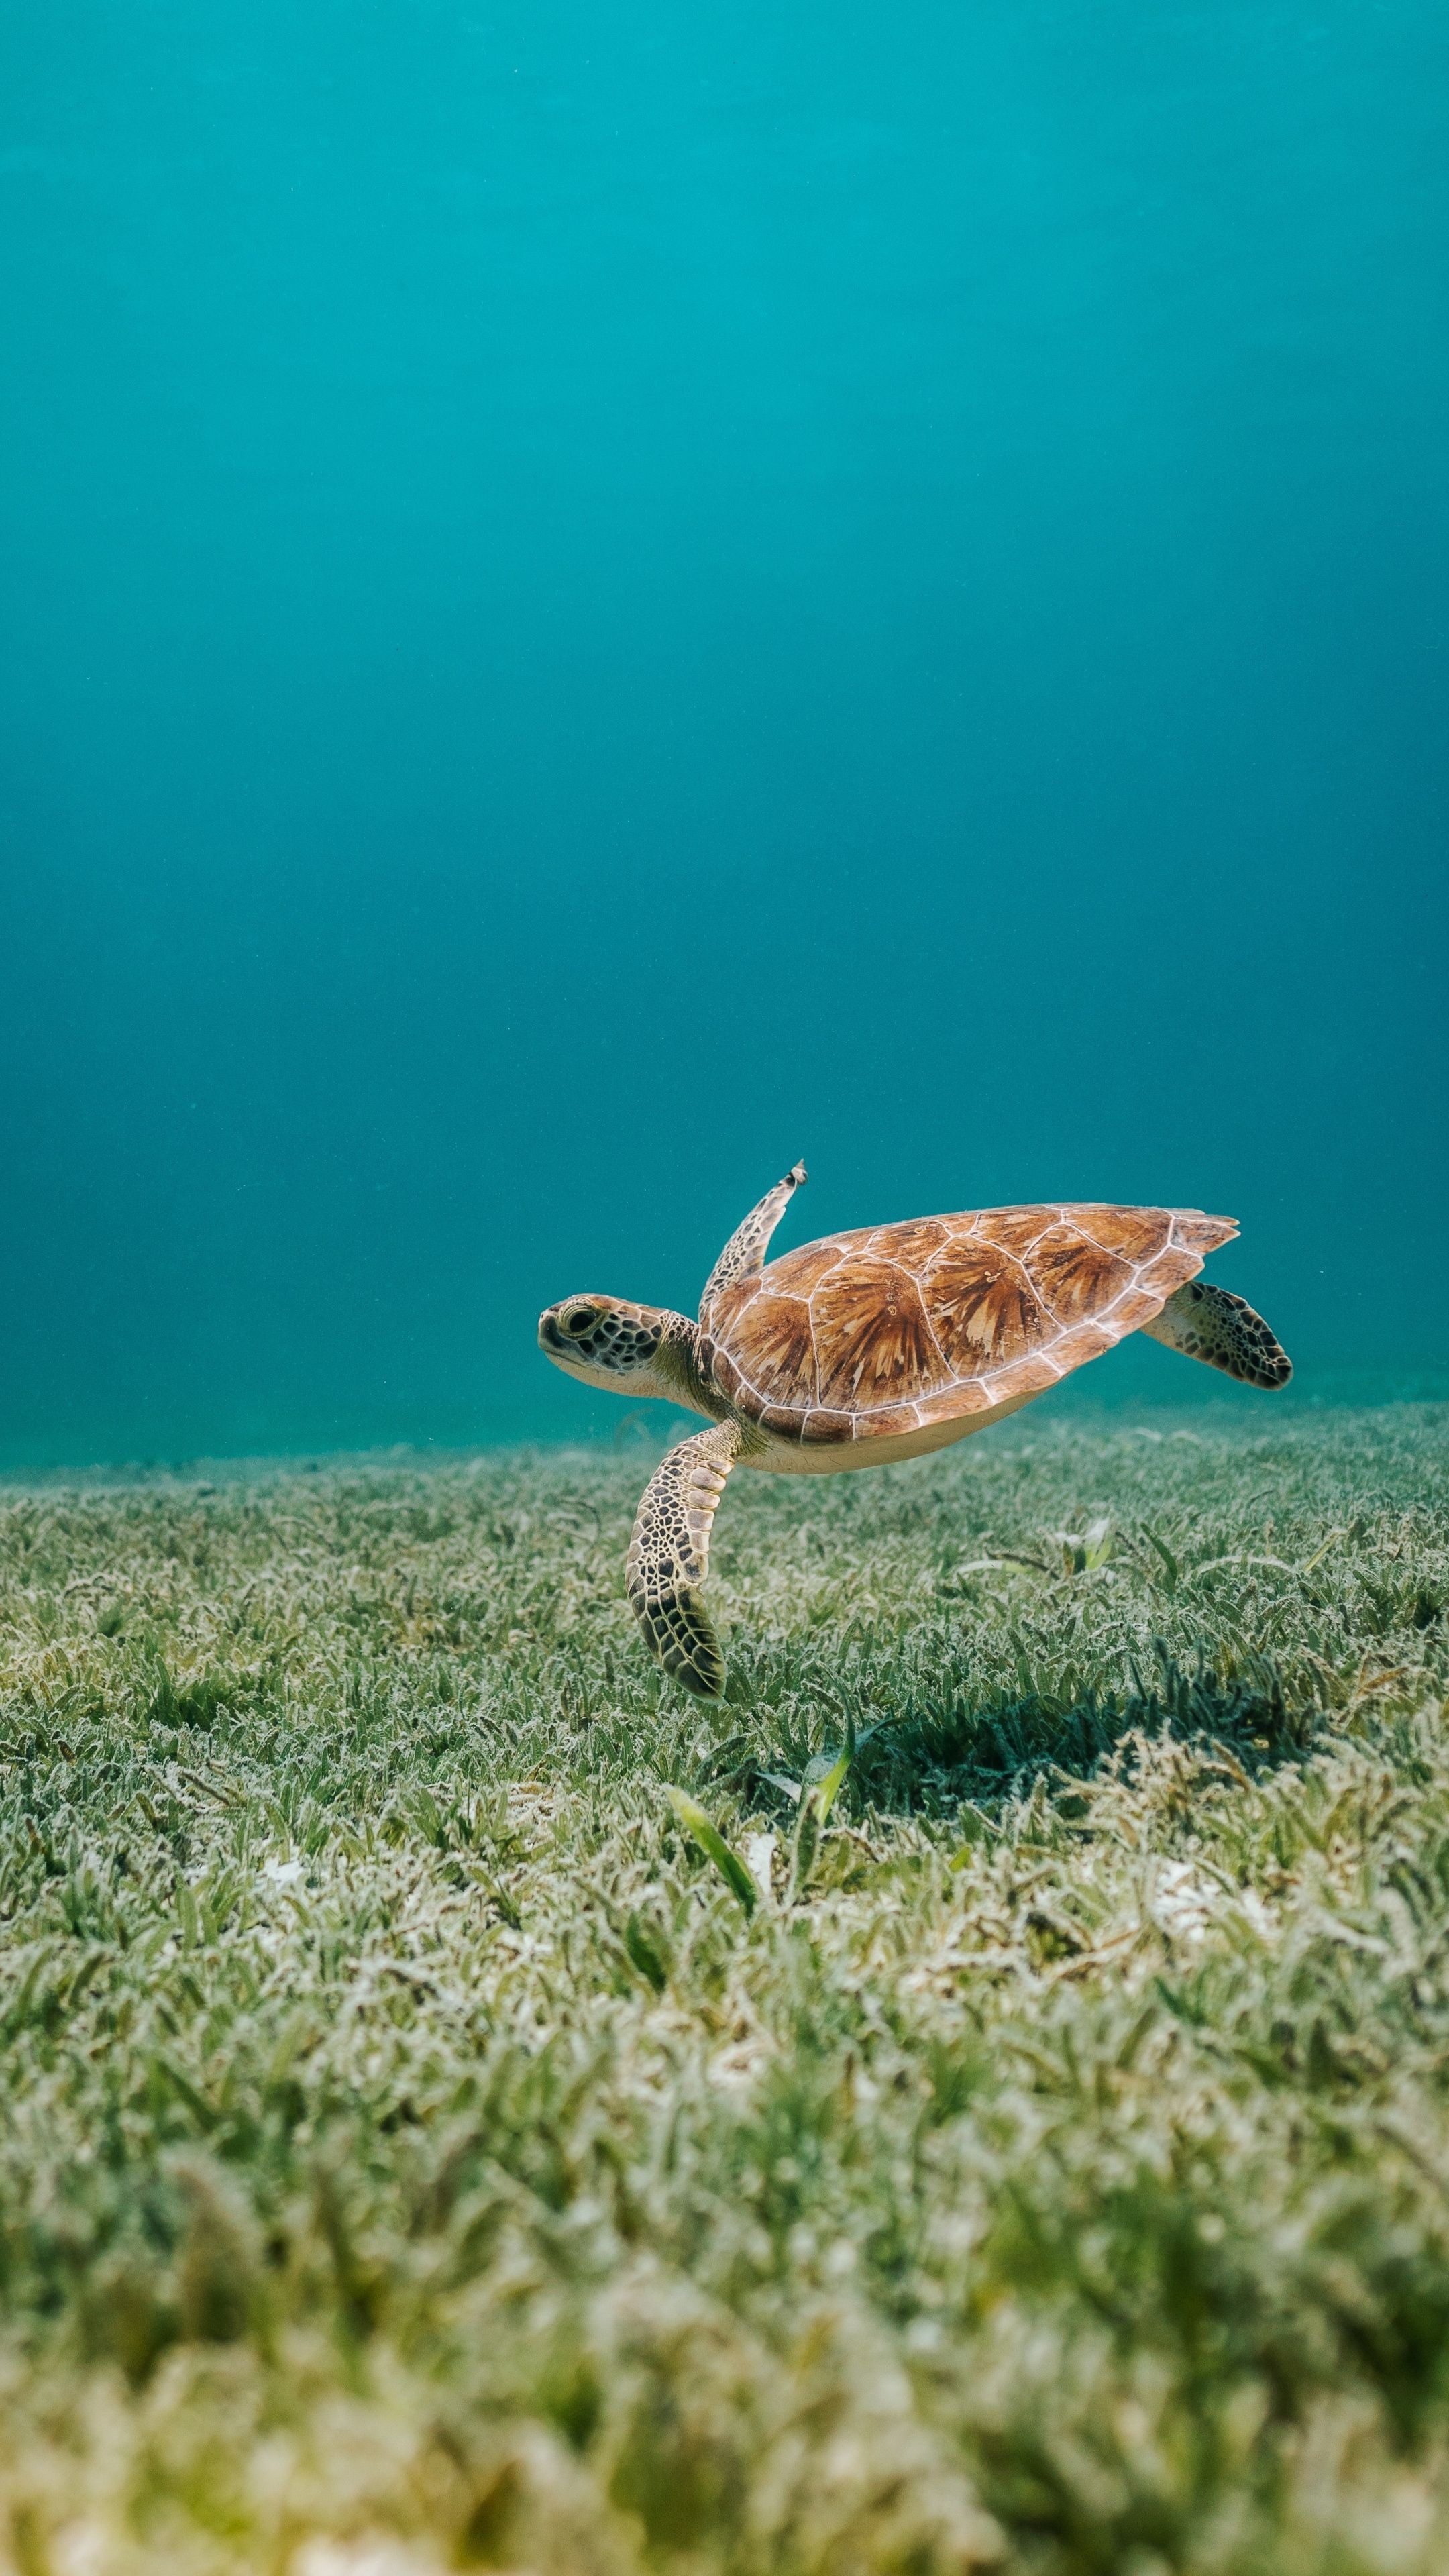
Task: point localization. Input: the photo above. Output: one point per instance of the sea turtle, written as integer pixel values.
(878, 1345)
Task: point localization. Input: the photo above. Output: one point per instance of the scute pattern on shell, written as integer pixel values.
(892, 1328)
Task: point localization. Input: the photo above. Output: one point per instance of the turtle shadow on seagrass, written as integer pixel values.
(879, 1345)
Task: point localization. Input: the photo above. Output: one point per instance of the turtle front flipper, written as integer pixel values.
(669, 1557)
(745, 1251)
(1211, 1324)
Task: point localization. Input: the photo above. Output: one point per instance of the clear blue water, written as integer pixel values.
(599, 599)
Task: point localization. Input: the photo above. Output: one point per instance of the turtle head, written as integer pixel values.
(607, 1341)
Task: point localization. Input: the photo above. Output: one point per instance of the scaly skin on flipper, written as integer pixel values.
(668, 1557)
(1211, 1324)
(744, 1254)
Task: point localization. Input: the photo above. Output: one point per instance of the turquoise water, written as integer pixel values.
(596, 600)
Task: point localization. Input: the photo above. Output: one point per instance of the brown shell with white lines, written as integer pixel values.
(893, 1328)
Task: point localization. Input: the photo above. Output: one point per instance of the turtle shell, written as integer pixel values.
(892, 1328)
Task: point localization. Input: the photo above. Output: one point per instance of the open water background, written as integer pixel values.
(597, 599)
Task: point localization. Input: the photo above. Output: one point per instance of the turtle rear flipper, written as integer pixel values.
(1213, 1325)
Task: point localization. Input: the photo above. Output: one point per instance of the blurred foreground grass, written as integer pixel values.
(413, 2154)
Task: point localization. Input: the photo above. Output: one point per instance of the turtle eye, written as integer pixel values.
(578, 1320)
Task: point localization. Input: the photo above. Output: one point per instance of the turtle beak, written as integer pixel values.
(549, 1337)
